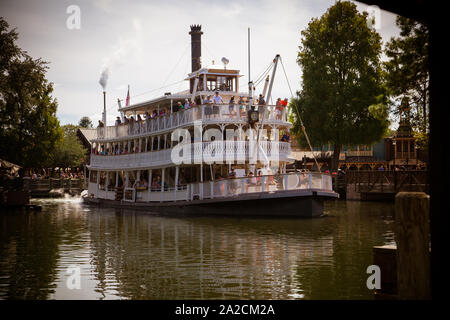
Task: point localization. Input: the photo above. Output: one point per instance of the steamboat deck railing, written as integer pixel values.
(258, 184)
(224, 188)
(205, 113)
(214, 151)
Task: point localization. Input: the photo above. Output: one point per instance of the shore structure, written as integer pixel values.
(201, 151)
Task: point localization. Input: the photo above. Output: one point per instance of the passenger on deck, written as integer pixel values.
(286, 137)
(241, 106)
(261, 101)
(217, 99)
(279, 109)
(117, 121)
(142, 184)
(156, 184)
(208, 108)
(231, 106)
(258, 177)
(232, 174)
(261, 105)
(251, 178)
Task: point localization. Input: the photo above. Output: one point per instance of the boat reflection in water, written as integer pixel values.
(135, 255)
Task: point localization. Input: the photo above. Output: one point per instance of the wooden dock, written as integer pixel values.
(383, 185)
(45, 188)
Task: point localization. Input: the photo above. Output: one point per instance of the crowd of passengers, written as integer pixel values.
(251, 179)
(212, 103)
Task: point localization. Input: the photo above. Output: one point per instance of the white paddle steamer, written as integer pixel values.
(214, 156)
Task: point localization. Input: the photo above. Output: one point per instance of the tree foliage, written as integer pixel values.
(342, 100)
(407, 72)
(69, 152)
(85, 122)
(29, 129)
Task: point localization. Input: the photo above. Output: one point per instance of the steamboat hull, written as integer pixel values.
(305, 204)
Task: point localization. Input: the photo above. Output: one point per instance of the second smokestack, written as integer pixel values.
(196, 50)
(196, 47)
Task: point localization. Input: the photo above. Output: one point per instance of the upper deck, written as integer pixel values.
(222, 114)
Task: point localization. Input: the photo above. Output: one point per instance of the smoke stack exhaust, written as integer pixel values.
(196, 49)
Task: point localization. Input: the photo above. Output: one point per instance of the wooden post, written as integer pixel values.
(385, 257)
(412, 233)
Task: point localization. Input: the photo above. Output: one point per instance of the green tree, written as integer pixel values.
(69, 152)
(342, 100)
(85, 122)
(407, 72)
(29, 129)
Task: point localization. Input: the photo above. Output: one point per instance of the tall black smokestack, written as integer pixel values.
(196, 49)
(196, 46)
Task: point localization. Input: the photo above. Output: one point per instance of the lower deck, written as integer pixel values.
(281, 194)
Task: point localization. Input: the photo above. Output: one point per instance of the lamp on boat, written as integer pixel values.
(253, 116)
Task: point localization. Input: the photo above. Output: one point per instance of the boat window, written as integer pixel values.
(93, 176)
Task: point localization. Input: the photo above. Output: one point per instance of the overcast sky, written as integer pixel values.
(147, 46)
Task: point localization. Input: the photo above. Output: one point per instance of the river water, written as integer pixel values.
(124, 254)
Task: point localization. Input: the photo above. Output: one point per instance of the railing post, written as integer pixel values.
(263, 183)
(285, 182)
(310, 181)
(225, 184)
(200, 189)
(212, 189)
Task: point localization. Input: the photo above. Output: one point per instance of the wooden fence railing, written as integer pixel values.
(388, 181)
(43, 186)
